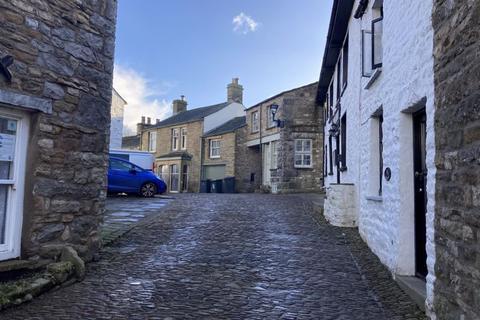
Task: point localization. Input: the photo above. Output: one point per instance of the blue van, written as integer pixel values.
(126, 177)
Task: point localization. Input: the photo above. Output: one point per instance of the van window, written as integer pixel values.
(120, 165)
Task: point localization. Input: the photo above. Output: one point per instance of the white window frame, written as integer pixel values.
(183, 138)
(175, 135)
(302, 153)
(255, 122)
(15, 198)
(214, 155)
(152, 141)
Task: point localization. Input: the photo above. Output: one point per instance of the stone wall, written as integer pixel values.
(340, 205)
(194, 147)
(303, 120)
(227, 152)
(248, 163)
(457, 137)
(63, 53)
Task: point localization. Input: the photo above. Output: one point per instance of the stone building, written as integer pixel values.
(55, 96)
(290, 149)
(177, 141)
(222, 147)
(455, 243)
(393, 139)
(116, 125)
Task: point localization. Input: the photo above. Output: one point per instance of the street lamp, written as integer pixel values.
(273, 110)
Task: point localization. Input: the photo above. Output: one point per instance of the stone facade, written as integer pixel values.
(301, 119)
(116, 125)
(457, 135)
(164, 149)
(248, 163)
(62, 77)
(227, 152)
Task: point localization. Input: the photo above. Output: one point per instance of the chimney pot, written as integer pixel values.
(143, 119)
(149, 120)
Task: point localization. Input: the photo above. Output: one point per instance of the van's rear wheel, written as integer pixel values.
(148, 190)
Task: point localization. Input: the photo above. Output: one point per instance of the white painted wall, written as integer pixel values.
(218, 118)
(116, 126)
(386, 223)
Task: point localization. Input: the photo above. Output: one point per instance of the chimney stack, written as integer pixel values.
(235, 92)
(149, 121)
(141, 125)
(179, 105)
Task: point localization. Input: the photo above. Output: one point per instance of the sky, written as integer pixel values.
(169, 48)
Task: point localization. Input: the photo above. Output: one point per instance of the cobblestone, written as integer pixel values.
(225, 256)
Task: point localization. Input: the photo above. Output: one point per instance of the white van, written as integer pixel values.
(143, 159)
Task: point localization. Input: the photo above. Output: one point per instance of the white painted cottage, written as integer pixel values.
(377, 88)
(116, 125)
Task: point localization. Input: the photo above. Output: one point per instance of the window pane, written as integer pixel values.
(377, 29)
(306, 160)
(298, 159)
(307, 145)
(366, 53)
(298, 146)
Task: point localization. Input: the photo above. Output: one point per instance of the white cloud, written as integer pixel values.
(244, 24)
(141, 96)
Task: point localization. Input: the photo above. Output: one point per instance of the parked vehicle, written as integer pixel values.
(143, 159)
(126, 177)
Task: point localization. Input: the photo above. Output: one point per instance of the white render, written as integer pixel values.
(340, 205)
(116, 126)
(386, 222)
(218, 118)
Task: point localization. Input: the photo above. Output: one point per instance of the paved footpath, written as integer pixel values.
(230, 257)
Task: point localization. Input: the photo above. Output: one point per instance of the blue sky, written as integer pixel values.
(166, 48)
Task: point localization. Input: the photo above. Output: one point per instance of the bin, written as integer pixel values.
(229, 185)
(216, 186)
(205, 186)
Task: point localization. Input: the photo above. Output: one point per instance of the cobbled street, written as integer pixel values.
(221, 256)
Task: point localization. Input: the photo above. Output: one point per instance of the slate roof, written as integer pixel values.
(282, 93)
(131, 142)
(228, 126)
(341, 12)
(190, 115)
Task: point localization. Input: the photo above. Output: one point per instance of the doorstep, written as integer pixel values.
(415, 287)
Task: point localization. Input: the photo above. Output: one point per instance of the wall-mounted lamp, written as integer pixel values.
(334, 130)
(273, 110)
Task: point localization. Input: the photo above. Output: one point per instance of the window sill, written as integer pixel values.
(374, 198)
(373, 78)
(303, 167)
(214, 157)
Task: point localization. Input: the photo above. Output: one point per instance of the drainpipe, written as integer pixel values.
(260, 140)
(202, 152)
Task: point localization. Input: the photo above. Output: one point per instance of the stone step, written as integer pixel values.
(414, 287)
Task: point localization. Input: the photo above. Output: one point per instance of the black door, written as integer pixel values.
(420, 178)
